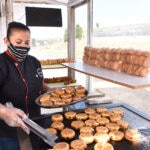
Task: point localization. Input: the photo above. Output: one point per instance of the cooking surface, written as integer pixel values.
(136, 119)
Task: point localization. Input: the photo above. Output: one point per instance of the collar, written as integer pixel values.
(11, 56)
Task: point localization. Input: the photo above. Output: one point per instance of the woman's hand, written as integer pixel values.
(13, 117)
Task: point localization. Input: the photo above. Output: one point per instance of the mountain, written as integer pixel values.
(125, 30)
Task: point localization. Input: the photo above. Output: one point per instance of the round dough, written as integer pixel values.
(81, 116)
(77, 124)
(87, 130)
(70, 115)
(78, 144)
(115, 117)
(103, 146)
(57, 125)
(67, 133)
(112, 126)
(61, 146)
(101, 129)
(52, 130)
(132, 135)
(101, 137)
(89, 110)
(91, 123)
(87, 137)
(57, 117)
(116, 135)
(123, 124)
(103, 120)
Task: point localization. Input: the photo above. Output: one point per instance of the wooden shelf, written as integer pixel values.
(57, 66)
(121, 78)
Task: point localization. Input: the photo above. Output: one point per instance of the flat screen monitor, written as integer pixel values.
(46, 17)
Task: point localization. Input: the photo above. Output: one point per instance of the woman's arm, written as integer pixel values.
(46, 88)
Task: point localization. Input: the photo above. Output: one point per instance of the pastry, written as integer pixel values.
(103, 146)
(123, 124)
(112, 126)
(70, 115)
(101, 129)
(78, 144)
(116, 135)
(106, 114)
(91, 123)
(44, 98)
(57, 117)
(101, 109)
(132, 135)
(101, 137)
(87, 137)
(115, 117)
(67, 100)
(118, 111)
(87, 130)
(61, 146)
(59, 91)
(102, 121)
(52, 130)
(67, 133)
(57, 125)
(94, 116)
(77, 124)
(80, 89)
(69, 90)
(81, 116)
(76, 97)
(89, 110)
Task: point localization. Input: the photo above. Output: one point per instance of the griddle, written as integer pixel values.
(137, 120)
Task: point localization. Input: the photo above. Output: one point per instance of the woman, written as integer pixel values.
(21, 82)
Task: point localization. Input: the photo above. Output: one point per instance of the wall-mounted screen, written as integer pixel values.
(48, 17)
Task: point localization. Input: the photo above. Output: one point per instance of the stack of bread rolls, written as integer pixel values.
(131, 61)
(56, 61)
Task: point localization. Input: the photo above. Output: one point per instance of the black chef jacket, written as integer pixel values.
(20, 83)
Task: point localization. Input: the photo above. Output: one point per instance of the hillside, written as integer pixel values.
(125, 30)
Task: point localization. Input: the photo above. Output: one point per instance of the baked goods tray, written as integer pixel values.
(136, 119)
(37, 101)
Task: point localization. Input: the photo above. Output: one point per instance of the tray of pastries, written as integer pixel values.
(62, 97)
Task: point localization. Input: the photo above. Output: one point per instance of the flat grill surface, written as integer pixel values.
(135, 119)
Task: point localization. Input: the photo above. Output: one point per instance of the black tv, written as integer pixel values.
(45, 17)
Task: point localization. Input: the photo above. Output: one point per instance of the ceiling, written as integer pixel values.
(59, 2)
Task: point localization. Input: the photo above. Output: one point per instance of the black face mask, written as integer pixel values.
(18, 52)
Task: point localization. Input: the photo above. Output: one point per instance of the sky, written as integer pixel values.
(109, 12)
(114, 12)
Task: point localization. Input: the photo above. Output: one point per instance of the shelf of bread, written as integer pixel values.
(127, 67)
(56, 66)
(65, 79)
(116, 77)
(55, 63)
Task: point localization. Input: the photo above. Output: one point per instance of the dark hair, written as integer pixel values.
(16, 25)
